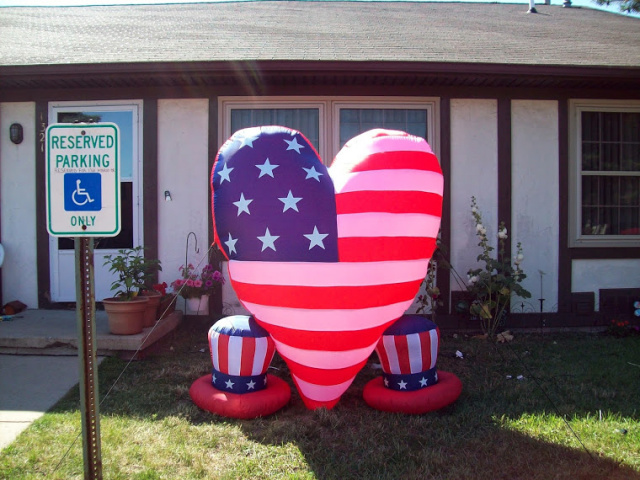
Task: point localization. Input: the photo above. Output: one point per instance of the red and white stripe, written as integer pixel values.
(327, 318)
(411, 353)
(241, 356)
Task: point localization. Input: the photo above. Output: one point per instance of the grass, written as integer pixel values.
(574, 415)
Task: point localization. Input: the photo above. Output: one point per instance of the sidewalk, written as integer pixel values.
(31, 385)
(39, 361)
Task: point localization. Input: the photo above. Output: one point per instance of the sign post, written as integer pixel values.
(83, 201)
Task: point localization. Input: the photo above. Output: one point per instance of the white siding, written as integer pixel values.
(474, 172)
(18, 205)
(535, 197)
(183, 170)
(592, 275)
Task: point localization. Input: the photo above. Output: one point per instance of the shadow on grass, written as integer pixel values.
(466, 440)
(462, 441)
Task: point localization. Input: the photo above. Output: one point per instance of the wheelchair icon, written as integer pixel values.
(80, 192)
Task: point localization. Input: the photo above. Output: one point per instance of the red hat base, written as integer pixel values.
(416, 402)
(245, 405)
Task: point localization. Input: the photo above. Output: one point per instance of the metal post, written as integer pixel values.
(86, 313)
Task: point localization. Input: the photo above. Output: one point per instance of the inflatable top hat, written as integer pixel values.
(239, 386)
(241, 351)
(408, 352)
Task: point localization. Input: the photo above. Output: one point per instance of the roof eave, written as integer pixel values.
(231, 72)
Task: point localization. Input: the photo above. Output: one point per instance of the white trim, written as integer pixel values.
(576, 107)
(136, 107)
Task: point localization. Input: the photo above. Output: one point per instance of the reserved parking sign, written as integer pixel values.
(83, 180)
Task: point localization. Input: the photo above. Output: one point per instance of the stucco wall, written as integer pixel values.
(182, 170)
(474, 172)
(535, 198)
(592, 275)
(18, 205)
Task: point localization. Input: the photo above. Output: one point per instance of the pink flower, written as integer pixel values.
(217, 276)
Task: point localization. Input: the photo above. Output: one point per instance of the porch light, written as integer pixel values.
(15, 133)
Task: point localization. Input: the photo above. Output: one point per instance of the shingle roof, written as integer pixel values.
(318, 31)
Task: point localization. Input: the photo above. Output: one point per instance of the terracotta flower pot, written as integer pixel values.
(125, 317)
(167, 305)
(151, 312)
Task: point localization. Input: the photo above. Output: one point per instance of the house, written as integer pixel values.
(537, 115)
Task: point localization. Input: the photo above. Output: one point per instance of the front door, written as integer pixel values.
(127, 115)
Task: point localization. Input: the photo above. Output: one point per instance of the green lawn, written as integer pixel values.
(574, 415)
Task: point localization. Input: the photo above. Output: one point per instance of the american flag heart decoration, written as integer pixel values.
(326, 259)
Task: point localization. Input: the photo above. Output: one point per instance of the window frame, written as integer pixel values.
(576, 238)
(227, 104)
(329, 111)
(430, 104)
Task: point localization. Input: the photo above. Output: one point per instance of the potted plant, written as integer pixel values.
(126, 309)
(167, 300)
(195, 287)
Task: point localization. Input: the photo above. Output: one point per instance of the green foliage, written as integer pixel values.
(625, 5)
(134, 272)
(493, 285)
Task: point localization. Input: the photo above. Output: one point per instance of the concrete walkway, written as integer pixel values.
(39, 361)
(31, 385)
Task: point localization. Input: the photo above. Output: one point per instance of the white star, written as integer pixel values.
(266, 169)
(243, 204)
(402, 384)
(316, 238)
(251, 385)
(213, 378)
(424, 382)
(229, 384)
(290, 202)
(248, 141)
(435, 377)
(265, 379)
(311, 173)
(224, 173)
(268, 240)
(386, 382)
(231, 244)
(294, 145)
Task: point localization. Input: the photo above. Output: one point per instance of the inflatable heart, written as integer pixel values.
(325, 259)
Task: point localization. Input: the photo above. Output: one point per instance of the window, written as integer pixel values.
(606, 183)
(354, 121)
(328, 123)
(305, 120)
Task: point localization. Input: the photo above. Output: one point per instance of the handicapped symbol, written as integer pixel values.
(82, 193)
